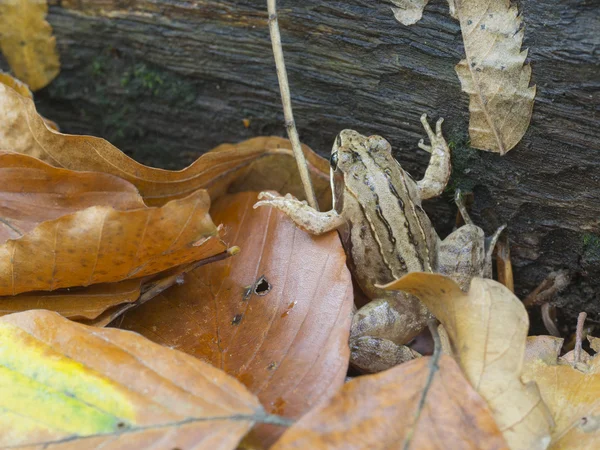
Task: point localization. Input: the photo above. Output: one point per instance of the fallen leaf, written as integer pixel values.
(75, 303)
(66, 385)
(51, 236)
(571, 393)
(27, 43)
(494, 74)
(277, 316)
(487, 328)
(23, 130)
(383, 411)
(409, 12)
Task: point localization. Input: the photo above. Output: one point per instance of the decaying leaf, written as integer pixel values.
(382, 411)
(572, 393)
(487, 328)
(23, 130)
(27, 43)
(277, 316)
(51, 235)
(494, 74)
(409, 12)
(66, 385)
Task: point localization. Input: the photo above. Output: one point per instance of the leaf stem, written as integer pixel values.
(287, 105)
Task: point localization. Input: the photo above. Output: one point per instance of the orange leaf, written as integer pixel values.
(58, 239)
(68, 386)
(23, 130)
(382, 411)
(277, 316)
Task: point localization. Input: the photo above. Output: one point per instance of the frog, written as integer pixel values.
(377, 211)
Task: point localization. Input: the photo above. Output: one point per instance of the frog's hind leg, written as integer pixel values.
(438, 171)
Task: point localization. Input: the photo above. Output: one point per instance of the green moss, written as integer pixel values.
(591, 247)
(463, 158)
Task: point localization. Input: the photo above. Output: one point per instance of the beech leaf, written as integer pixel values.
(494, 74)
(487, 328)
(60, 228)
(27, 43)
(66, 385)
(409, 12)
(277, 316)
(384, 411)
(572, 393)
(23, 130)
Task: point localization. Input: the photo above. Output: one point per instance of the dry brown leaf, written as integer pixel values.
(493, 74)
(487, 328)
(572, 394)
(277, 316)
(27, 43)
(75, 303)
(33, 192)
(23, 130)
(64, 385)
(409, 12)
(52, 237)
(380, 412)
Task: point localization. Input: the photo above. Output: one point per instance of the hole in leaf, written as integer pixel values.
(262, 286)
(237, 319)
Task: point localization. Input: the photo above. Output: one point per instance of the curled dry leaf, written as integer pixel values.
(66, 385)
(52, 237)
(572, 393)
(409, 12)
(23, 130)
(384, 411)
(27, 43)
(487, 328)
(277, 316)
(494, 74)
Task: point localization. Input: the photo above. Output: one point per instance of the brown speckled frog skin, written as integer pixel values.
(386, 234)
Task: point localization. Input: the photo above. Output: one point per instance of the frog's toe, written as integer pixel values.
(372, 355)
(438, 128)
(422, 146)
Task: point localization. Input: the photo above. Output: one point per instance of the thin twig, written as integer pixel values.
(287, 105)
(579, 336)
(433, 368)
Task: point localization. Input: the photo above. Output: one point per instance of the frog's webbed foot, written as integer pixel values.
(438, 172)
(372, 355)
(304, 216)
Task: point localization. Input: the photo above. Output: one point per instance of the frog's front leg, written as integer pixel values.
(304, 216)
(438, 171)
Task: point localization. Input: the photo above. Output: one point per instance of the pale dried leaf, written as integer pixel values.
(571, 391)
(277, 316)
(381, 412)
(68, 386)
(409, 12)
(487, 328)
(494, 74)
(27, 43)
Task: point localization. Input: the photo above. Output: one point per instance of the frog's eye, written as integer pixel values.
(333, 161)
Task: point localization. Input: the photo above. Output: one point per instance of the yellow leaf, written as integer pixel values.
(66, 385)
(571, 393)
(493, 74)
(487, 328)
(27, 42)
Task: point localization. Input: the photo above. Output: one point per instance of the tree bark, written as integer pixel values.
(166, 80)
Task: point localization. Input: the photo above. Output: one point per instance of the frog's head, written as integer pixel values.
(350, 147)
(349, 151)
